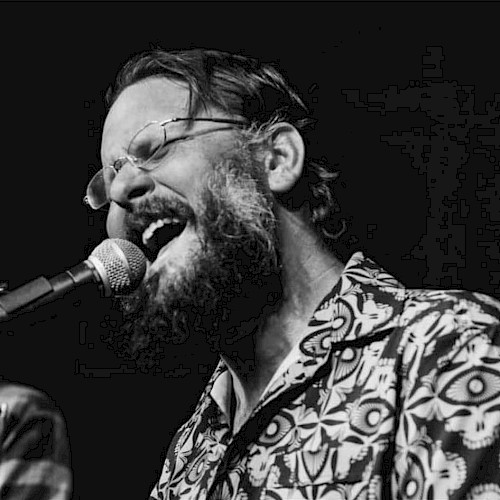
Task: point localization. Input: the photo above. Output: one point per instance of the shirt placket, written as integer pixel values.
(302, 372)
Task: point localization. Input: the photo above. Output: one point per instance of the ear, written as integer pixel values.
(285, 160)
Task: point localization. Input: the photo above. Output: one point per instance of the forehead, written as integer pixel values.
(148, 100)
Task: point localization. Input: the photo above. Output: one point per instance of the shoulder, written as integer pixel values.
(450, 418)
(20, 403)
(449, 310)
(441, 328)
(22, 396)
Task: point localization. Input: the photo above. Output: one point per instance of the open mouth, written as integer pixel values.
(159, 234)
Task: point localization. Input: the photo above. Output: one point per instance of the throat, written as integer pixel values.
(249, 382)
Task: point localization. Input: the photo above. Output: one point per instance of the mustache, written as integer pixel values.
(153, 208)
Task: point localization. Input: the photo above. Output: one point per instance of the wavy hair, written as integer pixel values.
(245, 87)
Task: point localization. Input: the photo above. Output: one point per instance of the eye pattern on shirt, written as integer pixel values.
(432, 454)
(197, 468)
(368, 417)
(412, 485)
(278, 428)
(347, 362)
(477, 385)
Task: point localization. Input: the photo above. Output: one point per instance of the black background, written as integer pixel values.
(57, 60)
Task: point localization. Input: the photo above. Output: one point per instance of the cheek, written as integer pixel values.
(115, 223)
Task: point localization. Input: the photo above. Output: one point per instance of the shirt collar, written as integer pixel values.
(365, 301)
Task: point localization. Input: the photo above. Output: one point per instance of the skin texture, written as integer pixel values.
(308, 270)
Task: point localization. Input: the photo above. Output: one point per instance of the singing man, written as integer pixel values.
(334, 380)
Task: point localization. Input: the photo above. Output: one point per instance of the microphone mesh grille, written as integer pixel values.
(124, 269)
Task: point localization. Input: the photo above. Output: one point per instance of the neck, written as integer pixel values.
(309, 272)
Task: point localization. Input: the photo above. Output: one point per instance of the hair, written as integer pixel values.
(243, 86)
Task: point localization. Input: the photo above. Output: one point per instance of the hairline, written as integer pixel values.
(196, 103)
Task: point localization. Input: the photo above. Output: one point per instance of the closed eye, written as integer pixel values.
(145, 150)
(162, 151)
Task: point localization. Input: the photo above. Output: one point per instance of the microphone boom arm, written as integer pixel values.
(41, 290)
(117, 266)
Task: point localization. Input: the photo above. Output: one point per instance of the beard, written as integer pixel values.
(230, 278)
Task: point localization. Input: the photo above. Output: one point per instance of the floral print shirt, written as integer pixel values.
(391, 394)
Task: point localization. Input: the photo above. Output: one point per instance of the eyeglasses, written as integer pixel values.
(145, 150)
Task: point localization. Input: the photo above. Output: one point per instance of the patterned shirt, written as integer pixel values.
(34, 449)
(391, 393)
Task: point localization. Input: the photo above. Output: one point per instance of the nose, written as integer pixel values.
(130, 185)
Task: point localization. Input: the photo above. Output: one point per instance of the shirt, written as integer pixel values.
(391, 393)
(34, 446)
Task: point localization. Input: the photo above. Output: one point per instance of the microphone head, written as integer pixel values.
(120, 264)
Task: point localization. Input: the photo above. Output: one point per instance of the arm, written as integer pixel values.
(34, 447)
(447, 443)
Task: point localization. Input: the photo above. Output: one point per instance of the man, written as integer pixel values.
(334, 380)
(34, 446)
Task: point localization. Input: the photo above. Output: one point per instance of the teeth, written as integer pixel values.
(149, 231)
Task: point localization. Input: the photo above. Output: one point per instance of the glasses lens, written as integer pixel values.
(98, 188)
(146, 143)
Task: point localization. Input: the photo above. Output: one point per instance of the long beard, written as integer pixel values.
(230, 279)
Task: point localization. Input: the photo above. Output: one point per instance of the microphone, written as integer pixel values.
(117, 266)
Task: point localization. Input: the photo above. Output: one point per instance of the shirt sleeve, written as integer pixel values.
(447, 440)
(34, 453)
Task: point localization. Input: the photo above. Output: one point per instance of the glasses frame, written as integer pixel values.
(118, 164)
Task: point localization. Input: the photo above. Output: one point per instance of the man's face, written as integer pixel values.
(180, 177)
(225, 257)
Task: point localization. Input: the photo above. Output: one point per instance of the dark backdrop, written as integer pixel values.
(406, 98)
